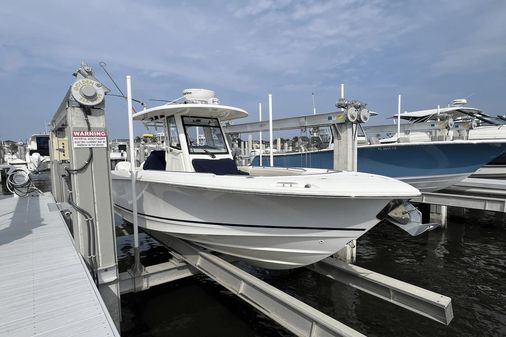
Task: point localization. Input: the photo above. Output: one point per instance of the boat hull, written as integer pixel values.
(271, 231)
(427, 166)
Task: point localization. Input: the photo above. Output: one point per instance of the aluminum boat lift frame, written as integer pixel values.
(291, 313)
(190, 259)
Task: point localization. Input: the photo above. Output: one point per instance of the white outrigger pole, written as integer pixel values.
(137, 267)
(260, 133)
(271, 154)
(398, 117)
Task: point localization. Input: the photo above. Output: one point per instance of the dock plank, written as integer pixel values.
(45, 287)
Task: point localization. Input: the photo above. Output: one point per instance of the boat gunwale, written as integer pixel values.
(288, 193)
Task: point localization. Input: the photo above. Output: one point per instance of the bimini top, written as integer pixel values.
(222, 112)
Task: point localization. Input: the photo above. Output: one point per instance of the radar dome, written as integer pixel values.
(200, 96)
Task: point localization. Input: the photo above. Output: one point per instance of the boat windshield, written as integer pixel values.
(204, 135)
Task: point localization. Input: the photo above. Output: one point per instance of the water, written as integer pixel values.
(465, 262)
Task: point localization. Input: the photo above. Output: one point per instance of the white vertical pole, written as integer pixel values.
(342, 93)
(314, 106)
(132, 161)
(250, 144)
(398, 117)
(270, 132)
(260, 133)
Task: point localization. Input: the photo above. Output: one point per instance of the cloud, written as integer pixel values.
(245, 49)
(480, 48)
(265, 36)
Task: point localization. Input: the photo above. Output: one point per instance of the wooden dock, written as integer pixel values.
(45, 287)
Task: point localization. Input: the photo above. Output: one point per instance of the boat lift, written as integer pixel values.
(81, 185)
(343, 125)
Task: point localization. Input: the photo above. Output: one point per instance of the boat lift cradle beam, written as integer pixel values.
(482, 202)
(290, 123)
(373, 130)
(154, 275)
(296, 316)
(421, 301)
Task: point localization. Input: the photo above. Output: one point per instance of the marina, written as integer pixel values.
(202, 241)
(197, 168)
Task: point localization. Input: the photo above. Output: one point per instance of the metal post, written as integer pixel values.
(271, 145)
(344, 145)
(349, 253)
(342, 93)
(250, 144)
(2, 153)
(439, 214)
(314, 106)
(260, 134)
(79, 151)
(137, 267)
(398, 118)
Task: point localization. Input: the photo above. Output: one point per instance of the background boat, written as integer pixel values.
(428, 166)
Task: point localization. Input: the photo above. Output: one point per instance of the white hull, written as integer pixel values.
(434, 183)
(271, 230)
(491, 171)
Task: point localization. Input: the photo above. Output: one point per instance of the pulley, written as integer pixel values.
(88, 92)
(352, 114)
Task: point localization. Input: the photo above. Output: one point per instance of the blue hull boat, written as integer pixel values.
(428, 166)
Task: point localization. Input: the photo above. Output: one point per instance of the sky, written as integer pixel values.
(430, 52)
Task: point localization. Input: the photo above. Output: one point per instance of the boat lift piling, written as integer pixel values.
(81, 183)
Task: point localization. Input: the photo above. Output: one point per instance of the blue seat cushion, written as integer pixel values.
(155, 161)
(217, 166)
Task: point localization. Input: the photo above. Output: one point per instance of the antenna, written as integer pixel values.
(314, 106)
(342, 94)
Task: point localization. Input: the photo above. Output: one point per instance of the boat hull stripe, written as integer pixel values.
(243, 225)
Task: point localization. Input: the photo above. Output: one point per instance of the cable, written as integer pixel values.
(133, 99)
(103, 65)
(82, 168)
(23, 188)
(90, 221)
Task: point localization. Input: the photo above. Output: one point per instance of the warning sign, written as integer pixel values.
(89, 138)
